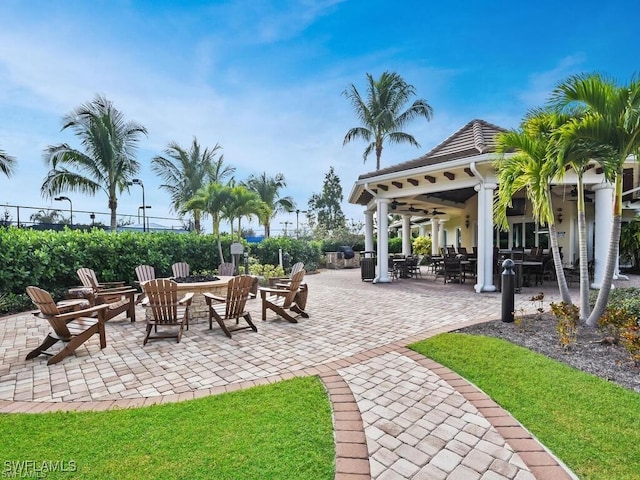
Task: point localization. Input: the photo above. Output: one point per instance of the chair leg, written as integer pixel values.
(281, 312)
(222, 326)
(299, 311)
(44, 346)
(73, 344)
(247, 317)
(149, 328)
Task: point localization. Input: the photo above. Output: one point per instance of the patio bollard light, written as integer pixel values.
(508, 290)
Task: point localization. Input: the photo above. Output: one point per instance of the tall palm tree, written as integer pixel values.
(211, 199)
(382, 114)
(7, 163)
(530, 169)
(243, 203)
(184, 172)
(268, 189)
(612, 119)
(108, 161)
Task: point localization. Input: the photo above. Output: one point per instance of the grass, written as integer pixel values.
(591, 424)
(278, 431)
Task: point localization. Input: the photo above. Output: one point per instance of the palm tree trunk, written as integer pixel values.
(114, 221)
(582, 254)
(612, 256)
(557, 263)
(196, 220)
(216, 231)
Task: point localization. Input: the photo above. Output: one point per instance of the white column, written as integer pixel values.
(406, 235)
(383, 241)
(485, 238)
(441, 241)
(603, 223)
(435, 246)
(368, 231)
(422, 230)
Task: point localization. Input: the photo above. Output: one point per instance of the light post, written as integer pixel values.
(93, 219)
(298, 212)
(59, 199)
(142, 208)
(137, 181)
(285, 223)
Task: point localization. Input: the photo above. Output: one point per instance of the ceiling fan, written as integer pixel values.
(573, 195)
(395, 204)
(434, 212)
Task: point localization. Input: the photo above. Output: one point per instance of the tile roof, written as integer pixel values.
(475, 138)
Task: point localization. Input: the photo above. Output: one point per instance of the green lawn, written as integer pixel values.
(277, 431)
(591, 424)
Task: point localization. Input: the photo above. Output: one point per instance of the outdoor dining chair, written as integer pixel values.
(166, 309)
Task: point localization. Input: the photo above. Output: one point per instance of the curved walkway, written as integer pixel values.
(396, 413)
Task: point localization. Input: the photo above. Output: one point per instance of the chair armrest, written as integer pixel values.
(186, 299)
(274, 280)
(273, 291)
(209, 297)
(81, 313)
(112, 284)
(115, 291)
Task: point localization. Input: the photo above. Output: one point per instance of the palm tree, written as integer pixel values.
(108, 162)
(211, 199)
(243, 203)
(7, 163)
(185, 172)
(530, 169)
(381, 113)
(612, 119)
(268, 189)
(48, 216)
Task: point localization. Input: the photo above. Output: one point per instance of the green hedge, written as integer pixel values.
(49, 259)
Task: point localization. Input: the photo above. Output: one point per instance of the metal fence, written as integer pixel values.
(47, 218)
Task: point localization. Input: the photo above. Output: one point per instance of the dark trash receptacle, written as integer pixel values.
(368, 266)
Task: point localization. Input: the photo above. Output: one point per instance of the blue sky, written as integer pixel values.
(264, 78)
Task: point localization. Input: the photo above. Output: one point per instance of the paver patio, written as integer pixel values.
(396, 414)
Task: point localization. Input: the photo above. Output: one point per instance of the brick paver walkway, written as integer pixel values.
(396, 413)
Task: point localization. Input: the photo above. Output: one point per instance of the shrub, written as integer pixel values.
(422, 245)
(567, 317)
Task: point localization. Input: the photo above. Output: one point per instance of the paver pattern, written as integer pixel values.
(396, 414)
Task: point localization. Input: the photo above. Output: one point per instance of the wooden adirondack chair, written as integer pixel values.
(118, 298)
(144, 273)
(166, 309)
(231, 307)
(70, 324)
(285, 298)
(180, 269)
(226, 269)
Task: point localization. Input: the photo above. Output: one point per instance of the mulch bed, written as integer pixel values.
(589, 354)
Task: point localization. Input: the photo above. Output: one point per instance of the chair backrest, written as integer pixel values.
(145, 273)
(48, 308)
(163, 299)
(88, 278)
(296, 268)
(294, 285)
(463, 251)
(180, 269)
(226, 269)
(43, 300)
(238, 290)
(451, 251)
